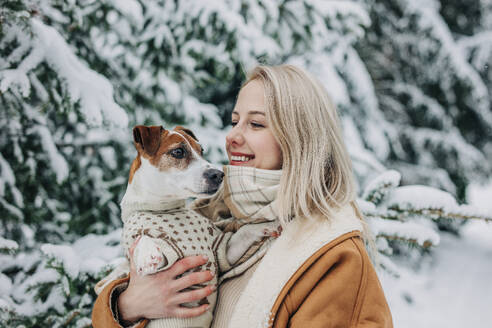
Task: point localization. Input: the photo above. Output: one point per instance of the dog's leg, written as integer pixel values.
(152, 255)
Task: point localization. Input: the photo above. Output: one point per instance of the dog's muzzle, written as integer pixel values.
(213, 177)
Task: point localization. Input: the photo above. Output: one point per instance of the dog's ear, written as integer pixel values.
(147, 138)
(187, 131)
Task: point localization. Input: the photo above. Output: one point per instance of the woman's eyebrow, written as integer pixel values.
(252, 112)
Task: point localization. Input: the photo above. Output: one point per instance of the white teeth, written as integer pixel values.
(240, 158)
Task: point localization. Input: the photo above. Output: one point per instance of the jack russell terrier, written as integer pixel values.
(169, 168)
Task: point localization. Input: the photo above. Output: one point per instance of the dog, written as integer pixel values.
(169, 168)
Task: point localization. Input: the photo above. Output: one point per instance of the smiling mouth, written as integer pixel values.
(241, 159)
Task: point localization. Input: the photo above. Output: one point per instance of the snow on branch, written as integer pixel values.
(378, 188)
(405, 214)
(94, 91)
(7, 245)
(409, 232)
(90, 254)
(425, 140)
(56, 160)
(478, 47)
(431, 202)
(430, 19)
(334, 10)
(7, 177)
(65, 255)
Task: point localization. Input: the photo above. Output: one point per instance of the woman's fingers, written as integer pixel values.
(184, 312)
(191, 279)
(194, 295)
(157, 295)
(186, 264)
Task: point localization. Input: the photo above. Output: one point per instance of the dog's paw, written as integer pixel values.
(248, 234)
(273, 231)
(148, 256)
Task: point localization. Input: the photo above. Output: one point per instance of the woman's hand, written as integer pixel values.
(159, 295)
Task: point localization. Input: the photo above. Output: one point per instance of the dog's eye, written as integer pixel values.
(178, 153)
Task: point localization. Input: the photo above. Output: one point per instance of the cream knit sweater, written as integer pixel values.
(229, 293)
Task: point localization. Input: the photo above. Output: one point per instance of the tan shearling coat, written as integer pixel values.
(312, 276)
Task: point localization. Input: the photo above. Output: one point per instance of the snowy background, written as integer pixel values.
(412, 81)
(454, 288)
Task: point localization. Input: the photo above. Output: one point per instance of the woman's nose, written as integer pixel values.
(235, 136)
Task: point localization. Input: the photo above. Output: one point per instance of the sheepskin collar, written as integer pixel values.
(300, 239)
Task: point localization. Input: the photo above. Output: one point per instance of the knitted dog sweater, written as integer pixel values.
(178, 232)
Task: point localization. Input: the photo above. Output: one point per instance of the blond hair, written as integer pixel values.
(317, 176)
(317, 170)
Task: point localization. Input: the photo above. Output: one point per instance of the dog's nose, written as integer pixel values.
(214, 176)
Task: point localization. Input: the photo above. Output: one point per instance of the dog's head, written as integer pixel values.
(170, 163)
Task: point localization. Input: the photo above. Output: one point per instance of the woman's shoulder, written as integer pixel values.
(339, 282)
(317, 231)
(346, 253)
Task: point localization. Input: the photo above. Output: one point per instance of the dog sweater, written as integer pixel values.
(178, 232)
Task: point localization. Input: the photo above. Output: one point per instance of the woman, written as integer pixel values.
(317, 272)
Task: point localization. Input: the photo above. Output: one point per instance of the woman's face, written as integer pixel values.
(251, 142)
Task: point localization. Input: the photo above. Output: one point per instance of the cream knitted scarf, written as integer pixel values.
(247, 197)
(249, 193)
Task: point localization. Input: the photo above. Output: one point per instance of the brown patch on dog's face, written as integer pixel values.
(173, 152)
(147, 139)
(187, 131)
(190, 136)
(164, 149)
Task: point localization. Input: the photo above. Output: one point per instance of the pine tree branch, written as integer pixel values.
(436, 213)
(386, 215)
(71, 317)
(425, 245)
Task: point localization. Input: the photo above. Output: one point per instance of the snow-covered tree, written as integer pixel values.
(436, 106)
(473, 30)
(400, 217)
(60, 170)
(76, 75)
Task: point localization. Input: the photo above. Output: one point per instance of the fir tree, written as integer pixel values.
(436, 105)
(75, 75)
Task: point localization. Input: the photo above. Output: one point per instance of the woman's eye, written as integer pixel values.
(233, 123)
(257, 125)
(178, 153)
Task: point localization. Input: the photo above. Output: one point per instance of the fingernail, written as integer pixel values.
(205, 257)
(213, 287)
